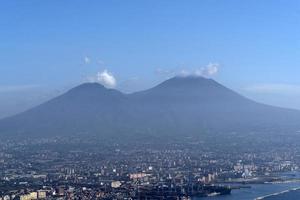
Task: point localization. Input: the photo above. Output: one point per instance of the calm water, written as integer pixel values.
(286, 196)
(259, 190)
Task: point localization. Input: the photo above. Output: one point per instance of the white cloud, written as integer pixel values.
(107, 79)
(87, 60)
(207, 71)
(274, 88)
(211, 69)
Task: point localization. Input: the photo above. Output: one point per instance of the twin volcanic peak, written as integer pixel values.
(180, 106)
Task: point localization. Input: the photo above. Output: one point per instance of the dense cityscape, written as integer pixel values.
(149, 100)
(64, 168)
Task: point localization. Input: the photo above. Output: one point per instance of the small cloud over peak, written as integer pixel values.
(104, 77)
(209, 70)
(107, 79)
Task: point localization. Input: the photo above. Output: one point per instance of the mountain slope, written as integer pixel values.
(88, 108)
(177, 107)
(196, 104)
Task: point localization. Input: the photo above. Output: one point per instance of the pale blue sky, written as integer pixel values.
(255, 45)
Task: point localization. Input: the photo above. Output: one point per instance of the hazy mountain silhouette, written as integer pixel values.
(178, 106)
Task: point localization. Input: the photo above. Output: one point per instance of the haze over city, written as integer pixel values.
(149, 100)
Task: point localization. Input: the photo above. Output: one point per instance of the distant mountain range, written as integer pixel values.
(180, 106)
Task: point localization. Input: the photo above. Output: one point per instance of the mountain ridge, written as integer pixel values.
(177, 107)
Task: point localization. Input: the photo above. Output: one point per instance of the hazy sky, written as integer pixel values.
(250, 46)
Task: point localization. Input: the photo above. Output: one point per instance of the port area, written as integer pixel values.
(241, 182)
(184, 191)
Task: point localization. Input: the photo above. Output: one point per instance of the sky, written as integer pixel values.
(46, 47)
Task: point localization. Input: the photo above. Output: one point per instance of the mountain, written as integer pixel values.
(180, 106)
(197, 104)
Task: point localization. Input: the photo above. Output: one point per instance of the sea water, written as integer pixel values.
(270, 191)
